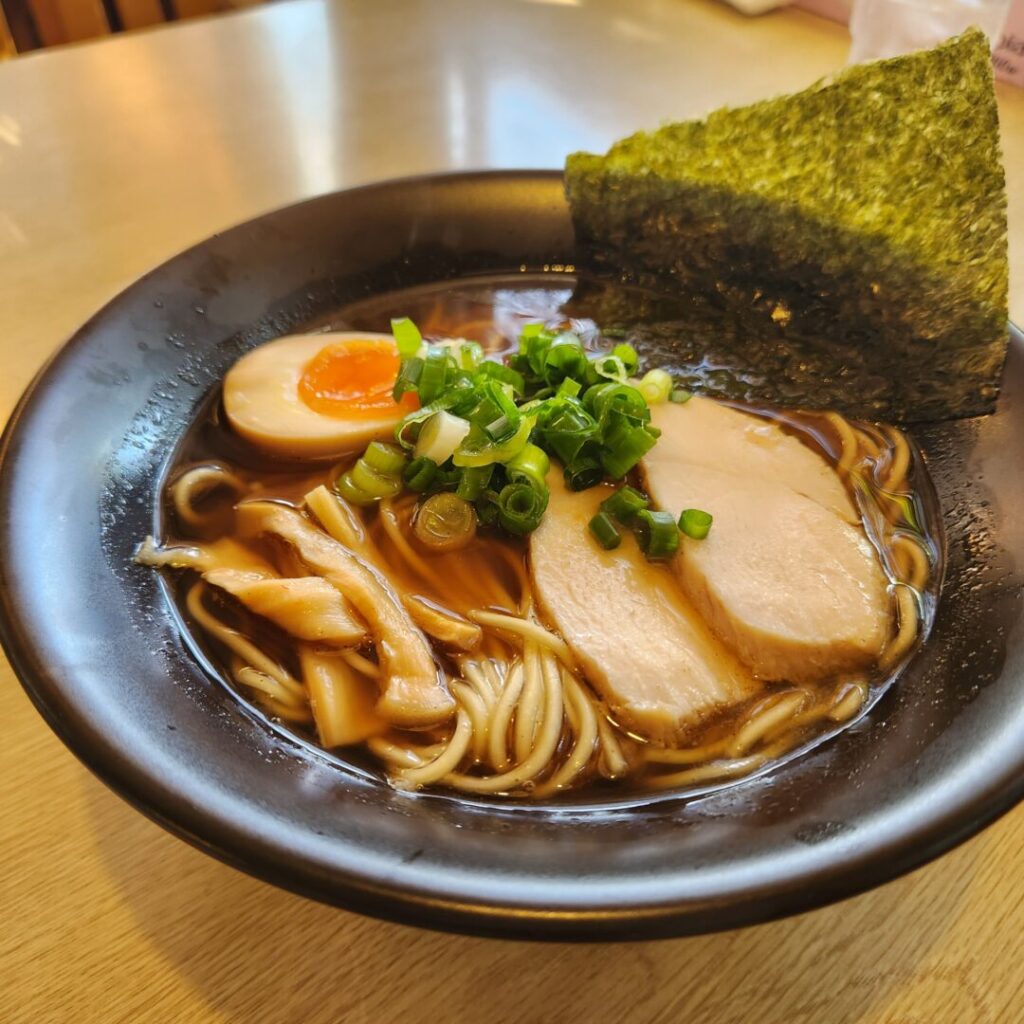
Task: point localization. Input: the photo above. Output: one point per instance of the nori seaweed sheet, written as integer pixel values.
(851, 237)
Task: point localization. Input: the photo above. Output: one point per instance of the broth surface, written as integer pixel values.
(894, 499)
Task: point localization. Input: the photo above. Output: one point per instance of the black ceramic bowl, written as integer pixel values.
(99, 647)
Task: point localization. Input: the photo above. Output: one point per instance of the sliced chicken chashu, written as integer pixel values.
(703, 432)
(638, 641)
(792, 587)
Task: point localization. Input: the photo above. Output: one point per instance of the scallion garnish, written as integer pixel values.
(434, 374)
(520, 508)
(445, 522)
(471, 355)
(655, 386)
(419, 474)
(372, 482)
(604, 532)
(348, 490)
(609, 397)
(481, 450)
(624, 504)
(377, 474)
(582, 473)
(627, 354)
(487, 430)
(656, 533)
(626, 442)
(408, 378)
(609, 368)
(407, 336)
(565, 360)
(440, 436)
(385, 458)
(530, 465)
(504, 375)
(473, 482)
(695, 523)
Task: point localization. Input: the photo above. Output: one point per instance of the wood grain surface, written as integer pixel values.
(117, 154)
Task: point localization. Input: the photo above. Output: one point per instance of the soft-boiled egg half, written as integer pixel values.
(316, 395)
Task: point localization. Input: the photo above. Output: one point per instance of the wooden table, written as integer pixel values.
(114, 156)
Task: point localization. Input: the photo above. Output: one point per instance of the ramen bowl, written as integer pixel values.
(103, 651)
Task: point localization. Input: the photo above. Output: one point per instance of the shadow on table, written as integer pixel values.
(258, 954)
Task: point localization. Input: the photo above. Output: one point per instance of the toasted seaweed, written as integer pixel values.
(861, 223)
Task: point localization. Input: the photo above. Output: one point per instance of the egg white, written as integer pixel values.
(262, 402)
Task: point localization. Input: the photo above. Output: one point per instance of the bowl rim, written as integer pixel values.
(376, 894)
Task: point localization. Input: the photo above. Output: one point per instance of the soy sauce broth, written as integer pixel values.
(492, 312)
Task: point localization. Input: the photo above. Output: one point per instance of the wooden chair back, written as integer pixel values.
(28, 24)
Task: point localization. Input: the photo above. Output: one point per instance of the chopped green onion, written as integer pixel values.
(657, 533)
(568, 445)
(627, 354)
(655, 386)
(564, 427)
(610, 368)
(471, 355)
(534, 342)
(625, 445)
(695, 523)
(473, 482)
(624, 504)
(434, 374)
(496, 411)
(385, 458)
(407, 430)
(440, 436)
(372, 482)
(603, 398)
(487, 508)
(501, 428)
(531, 464)
(488, 430)
(445, 522)
(481, 451)
(445, 480)
(565, 359)
(520, 508)
(419, 474)
(348, 490)
(408, 377)
(604, 532)
(504, 374)
(407, 336)
(582, 473)
(680, 396)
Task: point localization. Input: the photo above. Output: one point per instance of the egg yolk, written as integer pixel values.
(354, 380)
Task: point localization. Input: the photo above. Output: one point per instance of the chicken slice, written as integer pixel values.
(412, 692)
(307, 608)
(637, 639)
(795, 590)
(706, 433)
